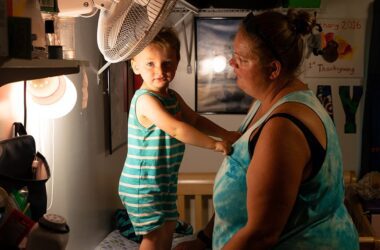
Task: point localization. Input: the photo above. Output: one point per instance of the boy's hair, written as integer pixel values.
(167, 38)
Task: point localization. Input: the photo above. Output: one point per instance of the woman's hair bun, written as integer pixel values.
(300, 21)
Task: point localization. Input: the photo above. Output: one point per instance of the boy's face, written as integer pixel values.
(157, 66)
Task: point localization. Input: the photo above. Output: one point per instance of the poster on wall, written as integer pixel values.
(341, 52)
(216, 89)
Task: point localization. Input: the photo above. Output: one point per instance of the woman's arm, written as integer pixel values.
(150, 110)
(205, 125)
(273, 180)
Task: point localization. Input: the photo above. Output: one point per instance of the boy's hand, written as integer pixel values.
(223, 146)
(232, 136)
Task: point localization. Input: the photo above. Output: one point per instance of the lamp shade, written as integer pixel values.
(52, 97)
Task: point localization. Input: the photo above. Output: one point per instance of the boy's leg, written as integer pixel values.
(159, 239)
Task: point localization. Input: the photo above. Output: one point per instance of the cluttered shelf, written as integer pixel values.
(13, 70)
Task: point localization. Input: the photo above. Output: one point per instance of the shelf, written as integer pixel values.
(14, 70)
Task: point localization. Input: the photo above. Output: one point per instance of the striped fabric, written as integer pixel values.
(148, 183)
(124, 225)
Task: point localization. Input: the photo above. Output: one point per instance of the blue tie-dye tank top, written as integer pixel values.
(319, 219)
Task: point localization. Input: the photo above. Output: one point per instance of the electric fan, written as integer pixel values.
(125, 27)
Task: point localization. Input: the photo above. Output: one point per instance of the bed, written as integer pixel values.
(195, 207)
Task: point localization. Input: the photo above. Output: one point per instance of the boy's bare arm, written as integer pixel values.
(205, 125)
(148, 107)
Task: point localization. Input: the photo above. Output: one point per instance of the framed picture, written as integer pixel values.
(118, 92)
(216, 89)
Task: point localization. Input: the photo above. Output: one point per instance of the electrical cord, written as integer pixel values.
(25, 106)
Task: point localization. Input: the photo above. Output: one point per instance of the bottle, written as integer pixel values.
(50, 36)
(51, 232)
(52, 41)
(66, 31)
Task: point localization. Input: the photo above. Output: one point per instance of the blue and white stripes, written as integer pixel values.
(148, 184)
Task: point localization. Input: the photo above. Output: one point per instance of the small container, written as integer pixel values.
(51, 232)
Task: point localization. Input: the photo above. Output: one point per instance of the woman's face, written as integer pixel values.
(246, 64)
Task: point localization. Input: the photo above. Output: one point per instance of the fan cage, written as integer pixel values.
(123, 34)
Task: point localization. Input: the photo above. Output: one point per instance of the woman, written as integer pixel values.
(282, 187)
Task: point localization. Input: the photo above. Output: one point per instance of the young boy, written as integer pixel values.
(159, 125)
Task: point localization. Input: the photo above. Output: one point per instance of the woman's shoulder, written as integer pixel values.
(299, 110)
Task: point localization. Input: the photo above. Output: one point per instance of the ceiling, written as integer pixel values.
(237, 4)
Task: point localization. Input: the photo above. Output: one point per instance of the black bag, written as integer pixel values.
(16, 159)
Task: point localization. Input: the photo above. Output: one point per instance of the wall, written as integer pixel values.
(10, 108)
(83, 186)
(200, 160)
(85, 175)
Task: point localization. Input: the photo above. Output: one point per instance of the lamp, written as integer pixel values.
(219, 63)
(52, 97)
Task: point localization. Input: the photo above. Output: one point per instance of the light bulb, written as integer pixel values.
(219, 63)
(52, 97)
